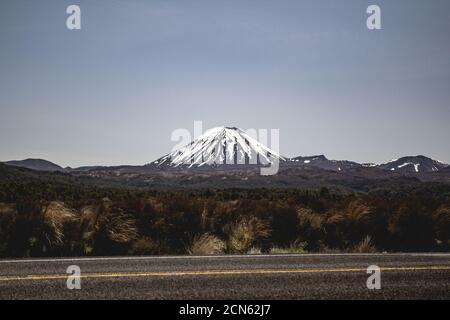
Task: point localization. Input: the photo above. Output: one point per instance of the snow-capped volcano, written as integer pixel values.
(221, 145)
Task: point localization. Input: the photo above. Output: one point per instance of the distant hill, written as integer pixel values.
(320, 161)
(85, 168)
(413, 164)
(36, 164)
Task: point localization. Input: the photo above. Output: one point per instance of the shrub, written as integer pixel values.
(412, 229)
(442, 223)
(8, 215)
(310, 228)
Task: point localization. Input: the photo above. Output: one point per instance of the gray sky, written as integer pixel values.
(113, 92)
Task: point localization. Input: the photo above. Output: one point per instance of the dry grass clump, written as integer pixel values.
(254, 250)
(56, 215)
(310, 219)
(359, 212)
(7, 209)
(103, 218)
(243, 234)
(295, 247)
(206, 244)
(121, 227)
(365, 246)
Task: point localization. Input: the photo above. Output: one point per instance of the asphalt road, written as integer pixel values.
(333, 276)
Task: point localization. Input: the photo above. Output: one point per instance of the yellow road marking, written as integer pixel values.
(212, 273)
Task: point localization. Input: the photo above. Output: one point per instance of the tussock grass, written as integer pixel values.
(254, 250)
(206, 244)
(309, 219)
(243, 234)
(56, 215)
(102, 219)
(7, 209)
(365, 246)
(295, 248)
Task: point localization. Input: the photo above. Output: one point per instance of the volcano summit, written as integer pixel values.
(221, 145)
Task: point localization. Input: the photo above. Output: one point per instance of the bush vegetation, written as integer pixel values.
(55, 218)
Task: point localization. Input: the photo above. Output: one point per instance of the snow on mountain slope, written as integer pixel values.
(413, 164)
(320, 161)
(220, 145)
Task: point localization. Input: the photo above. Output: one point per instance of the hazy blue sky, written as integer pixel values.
(112, 92)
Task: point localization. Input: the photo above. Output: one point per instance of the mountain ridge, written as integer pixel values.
(234, 149)
(411, 164)
(36, 164)
(405, 164)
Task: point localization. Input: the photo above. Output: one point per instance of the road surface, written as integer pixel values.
(315, 276)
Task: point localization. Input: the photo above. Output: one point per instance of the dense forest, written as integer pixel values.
(51, 214)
